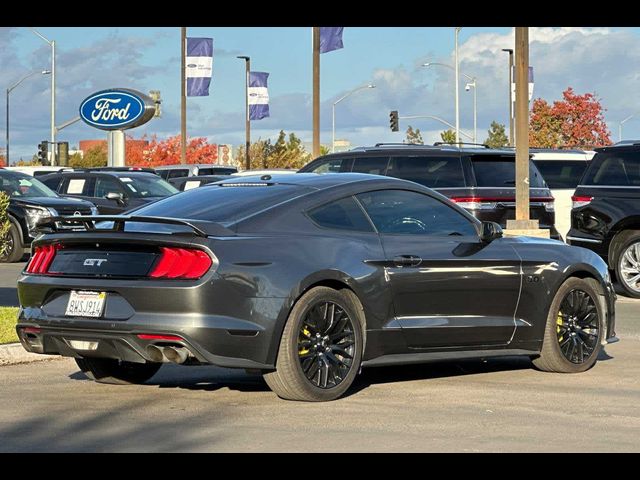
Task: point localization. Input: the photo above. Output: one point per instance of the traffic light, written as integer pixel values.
(155, 95)
(43, 156)
(393, 121)
(63, 154)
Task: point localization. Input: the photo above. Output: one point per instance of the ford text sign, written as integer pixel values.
(117, 109)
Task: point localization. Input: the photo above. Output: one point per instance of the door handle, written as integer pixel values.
(407, 260)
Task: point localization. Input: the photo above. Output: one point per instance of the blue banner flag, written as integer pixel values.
(258, 95)
(330, 39)
(199, 66)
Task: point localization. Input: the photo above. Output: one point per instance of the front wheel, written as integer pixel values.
(628, 265)
(116, 372)
(13, 246)
(321, 347)
(573, 334)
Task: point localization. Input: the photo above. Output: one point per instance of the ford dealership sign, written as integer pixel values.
(117, 109)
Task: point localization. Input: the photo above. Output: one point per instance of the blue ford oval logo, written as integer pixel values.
(112, 109)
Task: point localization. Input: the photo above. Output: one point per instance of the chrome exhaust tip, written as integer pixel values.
(176, 354)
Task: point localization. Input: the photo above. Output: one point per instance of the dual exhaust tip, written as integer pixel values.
(172, 354)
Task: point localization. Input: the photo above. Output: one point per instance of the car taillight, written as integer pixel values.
(475, 203)
(42, 258)
(578, 201)
(181, 263)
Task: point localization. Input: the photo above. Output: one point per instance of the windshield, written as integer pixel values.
(18, 185)
(143, 186)
(562, 173)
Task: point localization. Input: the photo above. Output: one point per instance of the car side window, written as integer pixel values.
(205, 171)
(53, 183)
(371, 165)
(178, 172)
(329, 166)
(105, 185)
(430, 171)
(343, 214)
(412, 213)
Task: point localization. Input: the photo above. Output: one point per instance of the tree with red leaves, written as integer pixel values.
(167, 152)
(575, 121)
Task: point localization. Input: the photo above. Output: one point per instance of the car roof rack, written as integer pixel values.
(398, 144)
(116, 169)
(453, 144)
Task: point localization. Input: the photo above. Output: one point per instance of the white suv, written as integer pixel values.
(562, 170)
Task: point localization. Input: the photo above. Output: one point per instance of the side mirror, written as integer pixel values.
(117, 196)
(490, 231)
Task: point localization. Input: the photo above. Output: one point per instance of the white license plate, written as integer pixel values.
(85, 304)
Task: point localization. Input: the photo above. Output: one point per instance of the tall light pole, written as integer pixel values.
(247, 125)
(51, 43)
(622, 122)
(333, 113)
(457, 30)
(510, 51)
(43, 72)
(470, 84)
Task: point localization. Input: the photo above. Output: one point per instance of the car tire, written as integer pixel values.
(313, 361)
(628, 262)
(14, 250)
(115, 372)
(570, 330)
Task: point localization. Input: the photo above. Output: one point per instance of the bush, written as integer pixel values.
(5, 223)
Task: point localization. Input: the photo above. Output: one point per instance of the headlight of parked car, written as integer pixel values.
(35, 214)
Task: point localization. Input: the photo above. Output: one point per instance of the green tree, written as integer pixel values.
(414, 136)
(497, 138)
(324, 150)
(94, 157)
(448, 136)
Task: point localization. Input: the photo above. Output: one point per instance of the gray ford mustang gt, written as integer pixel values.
(307, 278)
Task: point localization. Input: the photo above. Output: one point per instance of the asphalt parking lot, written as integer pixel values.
(465, 406)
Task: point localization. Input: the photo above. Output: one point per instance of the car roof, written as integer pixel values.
(558, 155)
(191, 165)
(111, 173)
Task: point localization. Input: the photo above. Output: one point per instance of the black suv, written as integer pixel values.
(112, 190)
(30, 201)
(481, 180)
(605, 216)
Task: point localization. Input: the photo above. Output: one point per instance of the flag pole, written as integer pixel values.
(316, 92)
(183, 103)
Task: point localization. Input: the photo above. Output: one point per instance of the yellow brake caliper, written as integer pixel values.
(308, 334)
(559, 322)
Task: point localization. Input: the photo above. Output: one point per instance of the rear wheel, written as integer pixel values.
(116, 372)
(321, 347)
(13, 251)
(628, 264)
(573, 334)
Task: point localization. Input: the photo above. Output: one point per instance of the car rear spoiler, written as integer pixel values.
(200, 228)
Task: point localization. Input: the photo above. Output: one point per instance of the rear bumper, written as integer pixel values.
(217, 341)
(218, 325)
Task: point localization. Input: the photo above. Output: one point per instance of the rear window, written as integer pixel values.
(501, 172)
(614, 168)
(344, 214)
(329, 166)
(216, 203)
(562, 173)
(179, 172)
(433, 172)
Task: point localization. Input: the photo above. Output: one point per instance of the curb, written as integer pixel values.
(14, 353)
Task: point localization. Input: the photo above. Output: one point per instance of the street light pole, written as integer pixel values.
(52, 43)
(333, 113)
(510, 51)
(247, 125)
(457, 30)
(9, 90)
(472, 83)
(620, 126)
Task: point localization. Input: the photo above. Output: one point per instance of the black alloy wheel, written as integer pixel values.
(577, 326)
(326, 345)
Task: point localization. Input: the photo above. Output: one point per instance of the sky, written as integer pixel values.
(600, 60)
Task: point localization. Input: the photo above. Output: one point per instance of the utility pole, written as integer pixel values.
(316, 92)
(457, 80)
(522, 225)
(247, 127)
(510, 51)
(183, 103)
